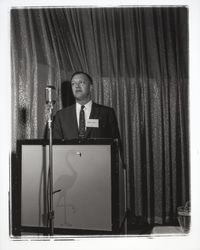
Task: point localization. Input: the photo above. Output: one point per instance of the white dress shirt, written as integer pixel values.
(87, 110)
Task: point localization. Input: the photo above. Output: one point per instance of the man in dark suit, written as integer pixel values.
(85, 119)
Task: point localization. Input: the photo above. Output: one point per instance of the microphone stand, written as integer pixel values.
(50, 194)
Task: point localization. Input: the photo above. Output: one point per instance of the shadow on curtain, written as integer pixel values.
(138, 59)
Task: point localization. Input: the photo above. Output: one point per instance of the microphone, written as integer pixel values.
(50, 94)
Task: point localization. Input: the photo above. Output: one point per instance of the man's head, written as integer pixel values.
(81, 87)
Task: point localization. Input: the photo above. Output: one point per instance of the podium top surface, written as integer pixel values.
(90, 141)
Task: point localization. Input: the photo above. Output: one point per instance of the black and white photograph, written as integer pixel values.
(101, 144)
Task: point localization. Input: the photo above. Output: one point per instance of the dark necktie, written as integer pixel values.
(82, 122)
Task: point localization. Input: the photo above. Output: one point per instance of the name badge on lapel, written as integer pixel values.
(92, 123)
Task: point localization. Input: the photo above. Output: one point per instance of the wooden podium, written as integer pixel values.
(88, 187)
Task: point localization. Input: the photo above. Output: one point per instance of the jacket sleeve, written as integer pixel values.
(57, 130)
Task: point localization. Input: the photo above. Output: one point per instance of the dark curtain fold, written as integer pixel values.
(138, 59)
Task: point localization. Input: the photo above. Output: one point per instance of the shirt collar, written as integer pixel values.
(87, 105)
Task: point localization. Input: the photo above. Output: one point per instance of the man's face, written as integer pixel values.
(81, 87)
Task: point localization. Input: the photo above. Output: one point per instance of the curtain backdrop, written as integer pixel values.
(138, 59)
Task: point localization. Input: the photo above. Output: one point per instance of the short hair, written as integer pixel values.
(83, 73)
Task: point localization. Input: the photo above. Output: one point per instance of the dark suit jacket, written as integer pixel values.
(65, 123)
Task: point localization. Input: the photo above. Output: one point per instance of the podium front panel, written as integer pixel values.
(82, 196)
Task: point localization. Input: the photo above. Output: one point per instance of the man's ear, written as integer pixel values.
(91, 88)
